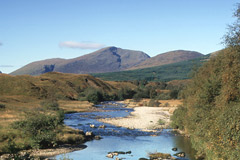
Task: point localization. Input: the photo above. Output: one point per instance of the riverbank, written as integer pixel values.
(144, 118)
(46, 153)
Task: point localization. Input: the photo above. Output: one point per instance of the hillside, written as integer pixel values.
(58, 85)
(168, 58)
(175, 71)
(108, 59)
(211, 111)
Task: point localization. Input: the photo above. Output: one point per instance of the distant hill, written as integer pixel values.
(168, 72)
(168, 58)
(108, 59)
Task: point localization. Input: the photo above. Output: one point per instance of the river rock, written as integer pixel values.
(92, 125)
(174, 149)
(102, 126)
(115, 153)
(97, 137)
(110, 155)
(89, 134)
(180, 154)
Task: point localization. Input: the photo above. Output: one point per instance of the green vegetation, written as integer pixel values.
(176, 71)
(178, 118)
(2, 106)
(161, 122)
(158, 155)
(40, 127)
(211, 107)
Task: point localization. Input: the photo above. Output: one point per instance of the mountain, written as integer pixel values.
(110, 59)
(168, 58)
(168, 72)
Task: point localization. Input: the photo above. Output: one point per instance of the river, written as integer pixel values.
(122, 139)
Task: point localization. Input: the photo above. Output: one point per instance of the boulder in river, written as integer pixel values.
(89, 134)
(180, 154)
(110, 155)
(174, 149)
(97, 137)
(102, 126)
(92, 125)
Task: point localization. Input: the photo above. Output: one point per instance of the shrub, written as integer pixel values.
(153, 103)
(161, 122)
(2, 106)
(50, 105)
(163, 96)
(178, 118)
(174, 94)
(40, 128)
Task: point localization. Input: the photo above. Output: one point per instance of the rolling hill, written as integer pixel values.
(108, 59)
(168, 58)
(59, 85)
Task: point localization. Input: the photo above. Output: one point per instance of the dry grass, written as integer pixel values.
(172, 103)
(69, 135)
(159, 155)
(75, 106)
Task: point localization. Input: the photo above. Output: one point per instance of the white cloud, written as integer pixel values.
(81, 45)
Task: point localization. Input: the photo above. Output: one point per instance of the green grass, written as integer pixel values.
(176, 71)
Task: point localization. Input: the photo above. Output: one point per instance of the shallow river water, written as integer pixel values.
(122, 139)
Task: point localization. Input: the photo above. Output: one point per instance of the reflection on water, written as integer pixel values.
(122, 139)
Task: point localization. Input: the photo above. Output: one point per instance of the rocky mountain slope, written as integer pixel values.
(108, 59)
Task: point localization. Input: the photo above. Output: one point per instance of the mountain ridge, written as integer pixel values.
(168, 58)
(104, 60)
(109, 59)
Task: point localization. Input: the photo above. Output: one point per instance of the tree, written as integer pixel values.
(232, 37)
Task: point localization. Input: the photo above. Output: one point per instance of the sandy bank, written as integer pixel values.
(143, 118)
(45, 153)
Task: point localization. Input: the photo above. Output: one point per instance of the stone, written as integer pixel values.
(102, 126)
(89, 134)
(92, 125)
(97, 137)
(174, 149)
(110, 155)
(180, 154)
(115, 153)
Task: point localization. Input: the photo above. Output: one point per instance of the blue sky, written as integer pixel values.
(32, 30)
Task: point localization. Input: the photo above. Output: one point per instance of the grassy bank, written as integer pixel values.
(36, 124)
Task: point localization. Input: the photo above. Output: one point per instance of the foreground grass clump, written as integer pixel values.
(157, 155)
(38, 128)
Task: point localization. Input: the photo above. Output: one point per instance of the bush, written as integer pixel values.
(161, 122)
(50, 105)
(174, 94)
(153, 103)
(163, 96)
(2, 106)
(41, 128)
(178, 118)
